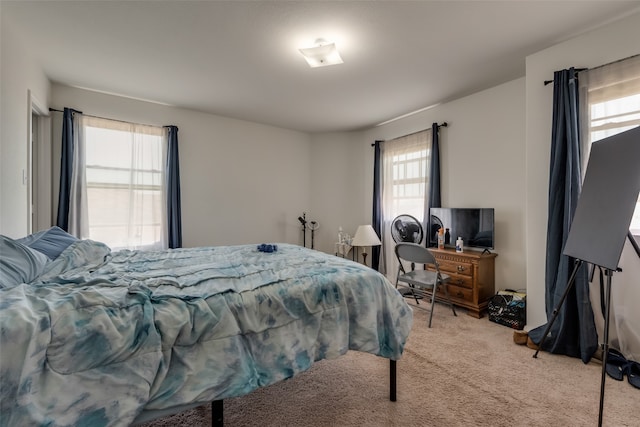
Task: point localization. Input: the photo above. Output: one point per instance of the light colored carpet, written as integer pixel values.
(461, 372)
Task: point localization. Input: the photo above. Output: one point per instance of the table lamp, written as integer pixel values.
(365, 236)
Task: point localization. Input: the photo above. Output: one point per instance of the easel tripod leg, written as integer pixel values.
(572, 278)
(605, 345)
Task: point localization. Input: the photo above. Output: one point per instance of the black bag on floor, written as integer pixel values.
(508, 308)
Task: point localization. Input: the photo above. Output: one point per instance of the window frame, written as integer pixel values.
(133, 134)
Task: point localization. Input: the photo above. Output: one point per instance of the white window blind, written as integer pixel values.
(610, 97)
(125, 183)
(405, 163)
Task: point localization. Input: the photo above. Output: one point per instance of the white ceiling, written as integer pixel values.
(240, 59)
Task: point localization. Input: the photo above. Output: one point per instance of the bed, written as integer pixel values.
(92, 337)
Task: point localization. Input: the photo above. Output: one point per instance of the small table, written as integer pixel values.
(343, 249)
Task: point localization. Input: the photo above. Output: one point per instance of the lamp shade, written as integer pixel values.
(366, 236)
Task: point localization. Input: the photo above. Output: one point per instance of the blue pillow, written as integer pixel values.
(50, 242)
(19, 263)
(27, 240)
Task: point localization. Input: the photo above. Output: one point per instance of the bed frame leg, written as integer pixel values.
(217, 409)
(392, 380)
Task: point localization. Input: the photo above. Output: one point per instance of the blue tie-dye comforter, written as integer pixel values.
(100, 337)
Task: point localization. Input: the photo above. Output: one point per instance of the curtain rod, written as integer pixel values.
(546, 82)
(104, 118)
(443, 124)
(577, 70)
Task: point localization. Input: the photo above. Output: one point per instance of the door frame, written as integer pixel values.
(37, 176)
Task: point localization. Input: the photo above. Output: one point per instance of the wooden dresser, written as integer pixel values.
(472, 282)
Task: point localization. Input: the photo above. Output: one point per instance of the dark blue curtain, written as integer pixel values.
(434, 178)
(66, 169)
(573, 332)
(174, 211)
(377, 205)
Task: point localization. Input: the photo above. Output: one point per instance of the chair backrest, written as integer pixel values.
(415, 253)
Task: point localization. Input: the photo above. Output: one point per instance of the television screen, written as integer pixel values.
(474, 225)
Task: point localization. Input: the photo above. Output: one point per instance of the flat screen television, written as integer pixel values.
(474, 225)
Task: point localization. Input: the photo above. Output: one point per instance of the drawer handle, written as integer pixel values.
(460, 282)
(460, 268)
(459, 294)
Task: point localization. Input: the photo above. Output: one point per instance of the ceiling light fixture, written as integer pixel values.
(322, 54)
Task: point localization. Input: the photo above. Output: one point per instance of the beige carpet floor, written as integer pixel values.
(461, 372)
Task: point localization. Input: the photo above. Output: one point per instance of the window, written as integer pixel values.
(612, 105)
(125, 183)
(409, 183)
(405, 175)
(404, 186)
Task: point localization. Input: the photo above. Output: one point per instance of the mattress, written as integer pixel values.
(105, 338)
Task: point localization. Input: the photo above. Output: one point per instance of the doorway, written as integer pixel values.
(37, 177)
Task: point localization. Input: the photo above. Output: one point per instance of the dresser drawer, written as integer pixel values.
(464, 268)
(456, 292)
(460, 280)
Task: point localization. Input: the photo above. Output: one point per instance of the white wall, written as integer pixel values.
(624, 320)
(482, 165)
(604, 45)
(337, 199)
(20, 74)
(241, 182)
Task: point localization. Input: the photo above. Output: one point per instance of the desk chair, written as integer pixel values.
(421, 280)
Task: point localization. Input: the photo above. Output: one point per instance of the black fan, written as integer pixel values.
(405, 228)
